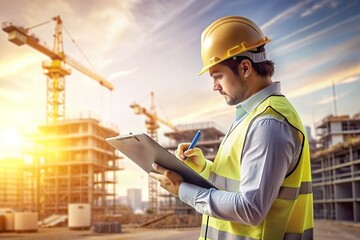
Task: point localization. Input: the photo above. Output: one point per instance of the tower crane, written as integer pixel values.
(151, 123)
(55, 70)
(152, 126)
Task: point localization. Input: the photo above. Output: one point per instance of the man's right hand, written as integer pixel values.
(194, 157)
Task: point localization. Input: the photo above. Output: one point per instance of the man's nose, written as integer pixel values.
(217, 87)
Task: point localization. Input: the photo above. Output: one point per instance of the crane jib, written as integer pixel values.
(55, 107)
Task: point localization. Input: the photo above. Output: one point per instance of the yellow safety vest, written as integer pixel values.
(291, 215)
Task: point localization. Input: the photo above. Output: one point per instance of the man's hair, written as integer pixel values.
(264, 69)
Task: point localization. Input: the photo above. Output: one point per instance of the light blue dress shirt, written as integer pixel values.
(271, 150)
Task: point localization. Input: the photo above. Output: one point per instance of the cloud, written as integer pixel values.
(17, 64)
(96, 27)
(212, 109)
(117, 20)
(293, 72)
(122, 73)
(187, 18)
(171, 16)
(163, 24)
(106, 63)
(349, 79)
(287, 36)
(327, 32)
(34, 9)
(330, 99)
(319, 5)
(326, 100)
(284, 15)
(343, 73)
(204, 9)
(299, 8)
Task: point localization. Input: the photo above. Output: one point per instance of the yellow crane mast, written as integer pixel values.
(55, 70)
(152, 126)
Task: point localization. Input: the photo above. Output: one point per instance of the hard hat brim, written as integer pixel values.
(253, 56)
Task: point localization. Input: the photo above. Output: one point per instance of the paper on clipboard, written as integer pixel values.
(144, 151)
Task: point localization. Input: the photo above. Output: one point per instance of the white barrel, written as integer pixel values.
(26, 222)
(79, 216)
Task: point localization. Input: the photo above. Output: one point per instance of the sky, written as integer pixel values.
(154, 45)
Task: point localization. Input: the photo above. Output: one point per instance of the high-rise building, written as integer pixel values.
(312, 141)
(336, 169)
(134, 199)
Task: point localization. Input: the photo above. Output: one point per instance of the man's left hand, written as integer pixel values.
(169, 180)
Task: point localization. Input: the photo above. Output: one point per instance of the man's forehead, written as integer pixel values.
(216, 69)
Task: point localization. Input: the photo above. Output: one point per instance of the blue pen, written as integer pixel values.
(195, 140)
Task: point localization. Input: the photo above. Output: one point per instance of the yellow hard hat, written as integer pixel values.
(229, 37)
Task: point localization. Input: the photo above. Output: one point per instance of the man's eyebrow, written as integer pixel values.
(214, 72)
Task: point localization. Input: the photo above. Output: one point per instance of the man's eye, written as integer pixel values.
(217, 77)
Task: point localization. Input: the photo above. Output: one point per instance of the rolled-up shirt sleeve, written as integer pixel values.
(271, 148)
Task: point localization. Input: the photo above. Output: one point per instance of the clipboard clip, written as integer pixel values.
(127, 137)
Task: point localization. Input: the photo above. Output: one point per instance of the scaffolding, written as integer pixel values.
(336, 169)
(17, 185)
(76, 165)
(209, 143)
(211, 137)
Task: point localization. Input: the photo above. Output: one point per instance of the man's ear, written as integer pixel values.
(245, 67)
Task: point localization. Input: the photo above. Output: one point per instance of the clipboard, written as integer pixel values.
(144, 151)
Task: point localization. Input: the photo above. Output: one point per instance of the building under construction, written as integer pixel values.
(17, 185)
(209, 143)
(336, 169)
(74, 164)
(71, 161)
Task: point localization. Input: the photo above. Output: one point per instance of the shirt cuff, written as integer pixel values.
(205, 173)
(188, 193)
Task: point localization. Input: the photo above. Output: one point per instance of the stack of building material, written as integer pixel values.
(107, 227)
(53, 220)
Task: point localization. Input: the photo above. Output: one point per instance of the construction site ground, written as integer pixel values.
(324, 230)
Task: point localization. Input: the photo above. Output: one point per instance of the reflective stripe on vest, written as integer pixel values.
(218, 234)
(306, 235)
(221, 182)
(213, 233)
(287, 193)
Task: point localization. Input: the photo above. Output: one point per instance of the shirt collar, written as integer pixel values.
(252, 102)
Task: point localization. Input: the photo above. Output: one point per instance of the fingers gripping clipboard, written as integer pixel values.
(144, 151)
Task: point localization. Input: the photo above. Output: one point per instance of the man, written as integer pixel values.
(262, 168)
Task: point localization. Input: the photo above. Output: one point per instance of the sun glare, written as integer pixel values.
(19, 64)
(10, 143)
